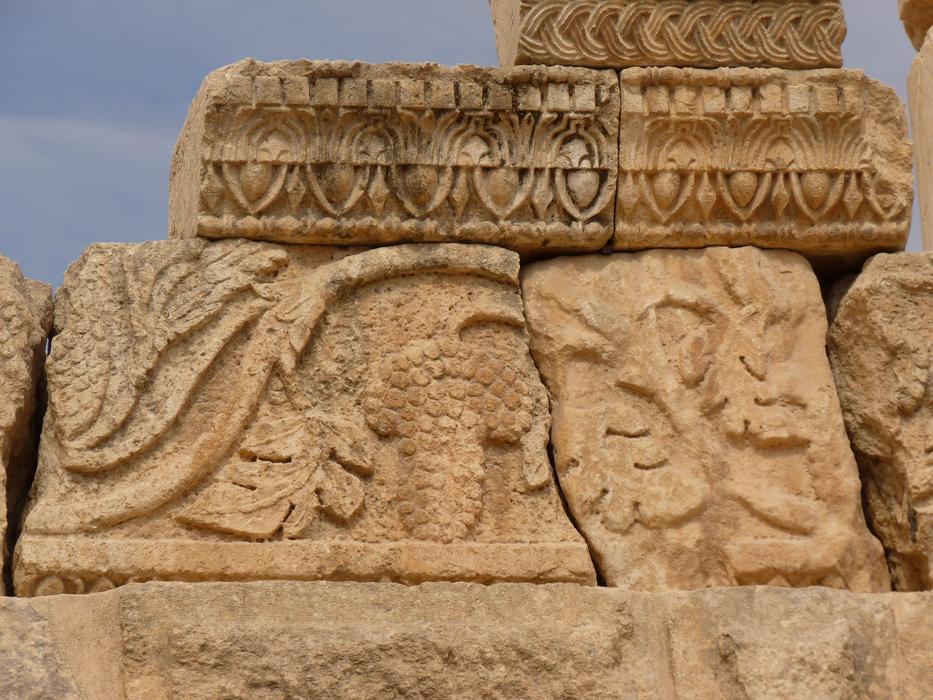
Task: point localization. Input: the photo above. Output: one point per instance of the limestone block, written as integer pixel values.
(237, 410)
(813, 161)
(920, 95)
(697, 435)
(441, 640)
(25, 323)
(881, 348)
(700, 33)
(349, 153)
(917, 16)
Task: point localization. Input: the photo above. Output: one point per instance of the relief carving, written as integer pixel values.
(337, 153)
(236, 410)
(817, 162)
(881, 348)
(699, 33)
(697, 436)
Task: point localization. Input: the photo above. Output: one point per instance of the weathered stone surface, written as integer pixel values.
(237, 410)
(917, 16)
(813, 161)
(25, 322)
(920, 95)
(278, 640)
(881, 347)
(348, 153)
(697, 435)
(700, 33)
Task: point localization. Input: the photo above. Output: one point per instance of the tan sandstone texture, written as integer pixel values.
(697, 435)
(812, 161)
(917, 16)
(701, 33)
(440, 640)
(920, 94)
(25, 323)
(881, 347)
(349, 153)
(236, 410)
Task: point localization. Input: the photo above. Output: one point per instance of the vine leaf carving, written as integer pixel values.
(290, 471)
(178, 422)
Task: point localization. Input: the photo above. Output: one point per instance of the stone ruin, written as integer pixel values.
(546, 343)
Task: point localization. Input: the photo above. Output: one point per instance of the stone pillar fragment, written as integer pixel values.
(920, 95)
(881, 347)
(917, 16)
(25, 323)
(697, 435)
(349, 153)
(813, 161)
(237, 410)
(700, 33)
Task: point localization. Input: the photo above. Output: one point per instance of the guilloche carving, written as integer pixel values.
(316, 152)
(817, 162)
(700, 33)
(697, 435)
(236, 410)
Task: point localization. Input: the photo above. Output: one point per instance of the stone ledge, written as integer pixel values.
(812, 161)
(349, 153)
(464, 640)
(83, 564)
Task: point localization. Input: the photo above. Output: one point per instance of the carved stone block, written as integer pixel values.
(881, 347)
(920, 95)
(237, 410)
(348, 153)
(25, 323)
(697, 435)
(917, 16)
(813, 161)
(700, 33)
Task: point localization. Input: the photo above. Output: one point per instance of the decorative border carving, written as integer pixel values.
(799, 160)
(701, 33)
(346, 153)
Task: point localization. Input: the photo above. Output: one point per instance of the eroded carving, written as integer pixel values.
(25, 322)
(816, 162)
(881, 347)
(348, 153)
(701, 33)
(237, 410)
(697, 436)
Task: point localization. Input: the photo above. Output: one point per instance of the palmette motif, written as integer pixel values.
(237, 410)
(701, 33)
(347, 153)
(817, 162)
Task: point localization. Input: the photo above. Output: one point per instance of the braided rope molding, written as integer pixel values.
(621, 33)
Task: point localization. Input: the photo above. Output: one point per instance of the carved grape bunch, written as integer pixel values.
(442, 400)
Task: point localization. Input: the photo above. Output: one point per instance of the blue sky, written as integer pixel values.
(94, 92)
